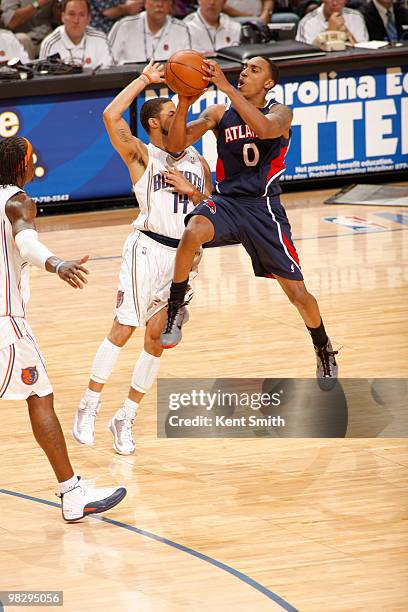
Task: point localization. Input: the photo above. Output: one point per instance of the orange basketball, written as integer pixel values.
(184, 73)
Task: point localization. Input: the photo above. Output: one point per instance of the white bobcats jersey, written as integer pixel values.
(161, 210)
(14, 276)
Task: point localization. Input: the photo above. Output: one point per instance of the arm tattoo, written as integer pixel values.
(124, 135)
(282, 114)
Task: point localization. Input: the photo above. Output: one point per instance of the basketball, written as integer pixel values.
(184, 73)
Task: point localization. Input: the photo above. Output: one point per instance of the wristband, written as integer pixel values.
(192, 193)
(58, 266)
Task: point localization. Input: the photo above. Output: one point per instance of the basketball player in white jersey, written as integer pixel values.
(22, 371)
(167, 187)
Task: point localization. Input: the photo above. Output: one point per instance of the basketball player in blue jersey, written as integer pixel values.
(252, 139)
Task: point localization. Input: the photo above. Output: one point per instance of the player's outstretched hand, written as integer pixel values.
(177, 181)
(216, 75)
(154, 72)
(72, 272)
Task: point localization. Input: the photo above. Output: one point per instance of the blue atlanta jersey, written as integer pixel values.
(247, 165)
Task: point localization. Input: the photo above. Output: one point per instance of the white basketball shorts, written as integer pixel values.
(144, 279)
(22, 368)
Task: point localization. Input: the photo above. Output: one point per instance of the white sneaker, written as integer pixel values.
(121, 427)
(83, 500)
(83, 428)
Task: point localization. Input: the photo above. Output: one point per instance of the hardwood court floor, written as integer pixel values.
(317, 523)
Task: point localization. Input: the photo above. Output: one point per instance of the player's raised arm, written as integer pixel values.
(273, 125)
(130, 148)
(182, 135)
(21, 212)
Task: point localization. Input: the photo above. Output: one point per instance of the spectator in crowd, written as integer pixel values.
(332, 15)
(104, 13)
(75, 41)
(31, 20)
(10, 47)
(262, 9)
(152, 34)
(210, 29)
(384, 20)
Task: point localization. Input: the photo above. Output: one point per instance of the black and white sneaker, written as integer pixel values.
(83, 500)
(177, 315)
(327, 368)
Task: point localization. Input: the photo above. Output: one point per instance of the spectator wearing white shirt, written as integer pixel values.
(332, 15)
(152, 34)
(10, 47)
(210, 29)
(75, 41)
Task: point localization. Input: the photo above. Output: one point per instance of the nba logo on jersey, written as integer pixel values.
(29, 376)
(119, 298)
(211, 205)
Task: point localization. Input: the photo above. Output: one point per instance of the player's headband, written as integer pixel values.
(28, 154)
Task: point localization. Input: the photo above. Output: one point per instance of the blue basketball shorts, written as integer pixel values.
(260, 225)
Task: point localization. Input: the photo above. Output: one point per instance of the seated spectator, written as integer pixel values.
(104, 13)
(384, 20)
(152, 34)
(31, 20)
(10, 47)
(262, 9)
(332, 15)
(210, 29)
(75, 41)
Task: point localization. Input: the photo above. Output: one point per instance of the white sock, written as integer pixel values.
(67, 485)
(128, 410)
(92, 396)
(104, 361)
(145, 372)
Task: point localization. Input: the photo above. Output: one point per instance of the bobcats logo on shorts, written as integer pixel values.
(211, 205)
(119, 298)
(29, 376)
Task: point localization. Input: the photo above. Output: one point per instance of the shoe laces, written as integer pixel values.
(89, 413)
(324, 356)
(173, 309)
(126, 430)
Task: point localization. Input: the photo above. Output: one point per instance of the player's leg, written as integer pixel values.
(78, 500)
(83, 429)
(308, 309)
(268, 240)
(144, 375)
(199, 230)
(124, 324)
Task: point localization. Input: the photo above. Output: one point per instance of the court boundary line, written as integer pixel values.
(194, 553)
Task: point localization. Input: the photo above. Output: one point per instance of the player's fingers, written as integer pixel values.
(79, 276)
(83, 259)
(84, 270)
